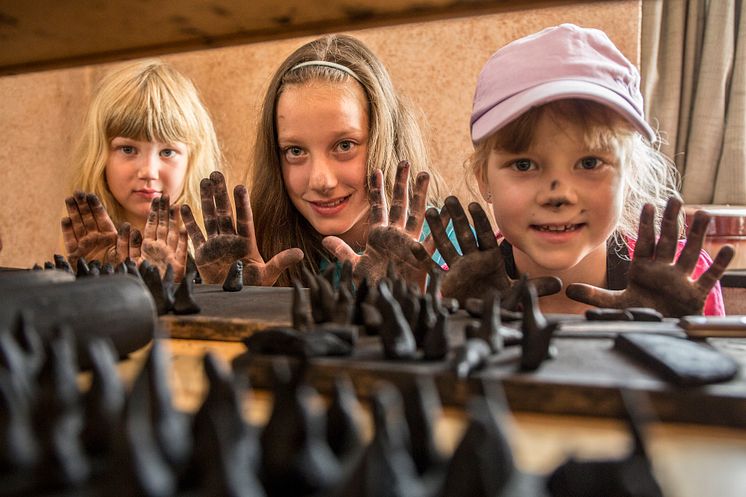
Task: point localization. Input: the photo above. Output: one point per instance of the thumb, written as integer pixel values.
(340, 250)
(591, 295)
(280, 262)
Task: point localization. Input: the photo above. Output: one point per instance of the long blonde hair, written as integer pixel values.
(649, 176)
(394, 135)
(145, 100)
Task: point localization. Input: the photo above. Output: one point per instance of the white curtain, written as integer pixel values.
(694, 83)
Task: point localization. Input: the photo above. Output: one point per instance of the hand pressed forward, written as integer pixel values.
(164, 242)
(88, 231)
(481, 267)
(654, 279)
(390, 231)
(226, 243)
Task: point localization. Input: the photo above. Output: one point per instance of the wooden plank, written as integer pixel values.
(48, 34)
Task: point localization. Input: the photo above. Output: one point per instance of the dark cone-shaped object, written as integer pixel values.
(321, 294)
(137, 467)
(422, 409)
(343, 432)
(426, 319)
(169, 287)
(171, 427)
(104, 401)
(396, 335)
(344, 307)
(302, 344)
(184, 302)
(435, 345)
(228, 448)
(152, 278)
(296, 459)
(61, 263)
(537, 333)
(631, 476)
(482, 464)
(19, 448)
(132, 268)
(345, 278)
(234, 279)
(81, 268)
(361, 295)
(48, 265)
(59, 417)
(471, 356)
(385, 467)
(490, 324)
(300, 311)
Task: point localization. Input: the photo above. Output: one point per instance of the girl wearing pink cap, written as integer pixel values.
(564, 156)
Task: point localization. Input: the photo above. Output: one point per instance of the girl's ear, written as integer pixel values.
(484, 187)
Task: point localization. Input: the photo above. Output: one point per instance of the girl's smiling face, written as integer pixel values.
(322, 131)
(558, 201)
(139, 171)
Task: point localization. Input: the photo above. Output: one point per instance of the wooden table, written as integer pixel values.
(689, 460)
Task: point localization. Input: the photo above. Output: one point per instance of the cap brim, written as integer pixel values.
(511, 108)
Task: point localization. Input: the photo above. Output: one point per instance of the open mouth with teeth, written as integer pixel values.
(557, 228)
(332, 203)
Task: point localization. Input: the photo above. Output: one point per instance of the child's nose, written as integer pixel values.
(322, 176)
(149, 167)
(557, 192)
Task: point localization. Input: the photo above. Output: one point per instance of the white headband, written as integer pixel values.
(325, 63)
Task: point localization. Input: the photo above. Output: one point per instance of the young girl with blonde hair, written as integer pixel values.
(147, 140)
(566, 160)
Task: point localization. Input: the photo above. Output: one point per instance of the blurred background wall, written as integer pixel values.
(434, 64)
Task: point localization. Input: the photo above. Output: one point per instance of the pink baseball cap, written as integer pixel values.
(564, 61)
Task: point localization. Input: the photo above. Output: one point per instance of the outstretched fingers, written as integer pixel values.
(190, 224)
(161, 232)
(68, 235)
(440, 237)
(123, 242)
(135, 250)
(100, 216)
(461, 226)
(483, 227)
(244, 216)
(400, 196)
(689, 256)
(207, 198)
(151, 225)
(86, 215)
(708, 279)
(223, 207)
(669, 238)
(174, 225)
(645, 244)
(76, 222)
(377, 200)
(416, 218)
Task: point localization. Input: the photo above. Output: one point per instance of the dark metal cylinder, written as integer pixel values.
(118, 307)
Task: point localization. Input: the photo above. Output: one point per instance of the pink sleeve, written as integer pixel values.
(714, 304)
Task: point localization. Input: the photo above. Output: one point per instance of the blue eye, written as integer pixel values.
(523, 165)
(345, 145)
(168, 153)
(590, 162)
(127, 149)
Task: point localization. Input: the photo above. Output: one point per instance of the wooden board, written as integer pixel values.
(583, 379)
